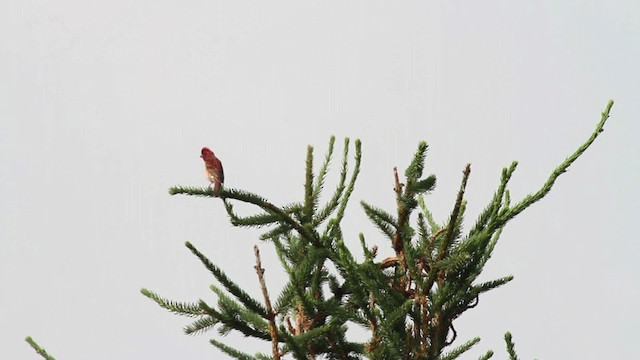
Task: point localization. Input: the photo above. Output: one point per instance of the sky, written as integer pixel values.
(104, 105)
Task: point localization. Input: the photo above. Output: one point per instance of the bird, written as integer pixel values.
(213, 169)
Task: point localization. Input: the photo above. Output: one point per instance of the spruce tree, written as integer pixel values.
(407, 303)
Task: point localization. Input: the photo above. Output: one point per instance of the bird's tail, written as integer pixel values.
(217, 186)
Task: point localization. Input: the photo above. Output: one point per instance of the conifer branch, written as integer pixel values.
(230, 307)
(494, 206)
(510, 346)
(397, 240)
(42, 352)
(414, 170)
(232, 287)
(335, 199)
(317, 188)
(256, 220)
(271, 315)
(227, 193)
(383, 220)
(444, 247)
(490, 285)
(486, 355)
(350, 186)
(237, 354)
(180, 308)
(562, 168)
(309, 200)
(293, 345)
(423, 232)
(427, 214)
(372, 345)
(264, 204)
(276, 232)
(459, 350)
(232, 322)
(336, 347)
(201, 325)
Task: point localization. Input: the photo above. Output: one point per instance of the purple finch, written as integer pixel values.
(213, 169)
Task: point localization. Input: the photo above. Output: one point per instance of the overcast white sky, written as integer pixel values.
(105, 104)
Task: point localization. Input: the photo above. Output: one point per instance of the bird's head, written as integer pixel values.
(206, 153)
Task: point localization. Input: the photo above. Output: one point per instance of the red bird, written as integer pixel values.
(213, 169)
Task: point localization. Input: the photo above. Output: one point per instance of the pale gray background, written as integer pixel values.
(105, 104)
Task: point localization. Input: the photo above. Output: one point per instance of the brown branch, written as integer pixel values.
(437, 233)
(299, 319)
(398, 245)
(287, 319)
(409, 340)
(389, 262)
(392, 261)
(302, 325)
(373, 323)
(398, 185)
(424, 315)
(272, 316)
(436, 334)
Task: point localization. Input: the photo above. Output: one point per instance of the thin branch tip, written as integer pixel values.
(273, 331)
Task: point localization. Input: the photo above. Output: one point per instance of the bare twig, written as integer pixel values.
(389, 262)
(272, 316)
(398, 245)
